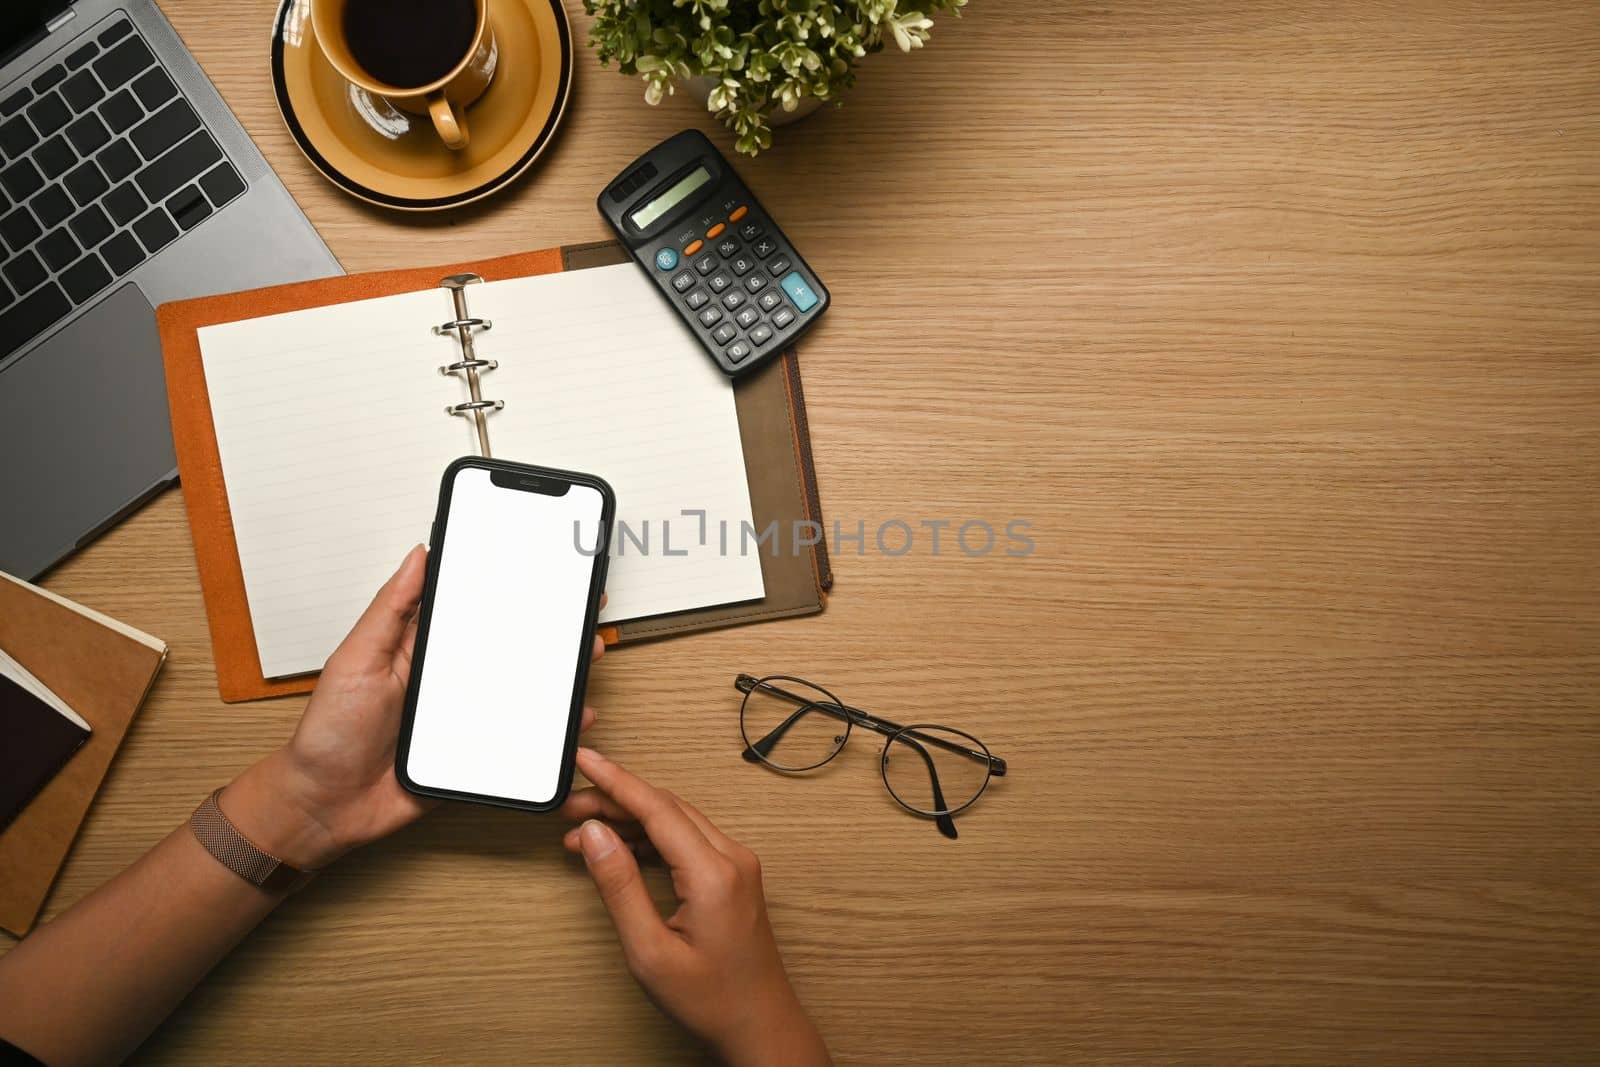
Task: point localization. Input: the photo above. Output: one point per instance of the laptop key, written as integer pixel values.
(55, 157)
(58, 249)
(52, 206)
(16, 137)
(123, 204)
(31, 316)
(48, 114)
(21, 180)
(51, 77)
(88, 135)
(122, 253)
(123, 62)
(91, 226)
(164, 129)
(115, 34)
(121, 111)
(118, 160)
(82, 91)
(154, 89)
(24, 271)
(191, 158)
(19, 229)
(222, 184)
(85, 278)
(14, 103)
(86, 183)
(155, 231)
(82, 55)
(189, 207)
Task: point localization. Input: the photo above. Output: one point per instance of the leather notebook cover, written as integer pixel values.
(35, 740)
(101, 674)
(772, 426)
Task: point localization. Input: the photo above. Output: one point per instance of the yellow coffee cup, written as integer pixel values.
(428, 57)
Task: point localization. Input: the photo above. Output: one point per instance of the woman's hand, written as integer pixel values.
(332, 788)
(714, 965)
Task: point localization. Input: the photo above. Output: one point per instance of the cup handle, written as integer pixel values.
(451, 127)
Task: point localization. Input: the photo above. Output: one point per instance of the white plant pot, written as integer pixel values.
(700, 89)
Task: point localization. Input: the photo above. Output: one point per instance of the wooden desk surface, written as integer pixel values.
(1278, 323)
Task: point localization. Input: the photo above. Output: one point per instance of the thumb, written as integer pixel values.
(382, 627)
(616, 876)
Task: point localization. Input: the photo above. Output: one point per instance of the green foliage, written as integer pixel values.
(763, 53)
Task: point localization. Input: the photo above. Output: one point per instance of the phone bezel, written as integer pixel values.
(597, 579)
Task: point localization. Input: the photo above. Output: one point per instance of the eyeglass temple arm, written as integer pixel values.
(946, 824)
(745, 683)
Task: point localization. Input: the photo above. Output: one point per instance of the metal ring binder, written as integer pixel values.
(445, 327)
(469, 364)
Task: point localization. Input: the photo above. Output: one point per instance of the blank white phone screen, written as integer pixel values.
(504, 639)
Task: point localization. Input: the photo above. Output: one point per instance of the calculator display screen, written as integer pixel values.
(671, 198)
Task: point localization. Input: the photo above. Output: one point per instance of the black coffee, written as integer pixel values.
(407, 43)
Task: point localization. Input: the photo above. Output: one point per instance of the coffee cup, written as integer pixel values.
(427, 57)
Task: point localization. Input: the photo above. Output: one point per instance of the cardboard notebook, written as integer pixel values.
(240, 337)
(103, 671)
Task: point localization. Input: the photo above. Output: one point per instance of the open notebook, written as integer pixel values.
(332, 429)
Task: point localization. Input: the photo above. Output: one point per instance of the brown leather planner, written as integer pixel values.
(100, 669)
(772, 428)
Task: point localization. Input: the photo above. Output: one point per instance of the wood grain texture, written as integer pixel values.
(1277, 321)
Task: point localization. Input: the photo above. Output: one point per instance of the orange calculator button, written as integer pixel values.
(715, 231)
(738, 213)
(693, 247)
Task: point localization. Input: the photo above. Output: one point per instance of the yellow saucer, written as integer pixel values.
(385, 156)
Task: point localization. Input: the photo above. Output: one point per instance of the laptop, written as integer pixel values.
(125, 182)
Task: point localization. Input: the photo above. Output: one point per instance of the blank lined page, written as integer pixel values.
(599, 376)
(332, 431)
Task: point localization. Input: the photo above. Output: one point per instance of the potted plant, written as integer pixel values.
(758, 63)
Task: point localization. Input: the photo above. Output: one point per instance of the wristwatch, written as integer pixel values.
(239, 854)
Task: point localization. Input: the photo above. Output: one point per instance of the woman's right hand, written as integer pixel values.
(713, 965)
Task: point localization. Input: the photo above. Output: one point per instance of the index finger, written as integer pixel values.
(674, 833)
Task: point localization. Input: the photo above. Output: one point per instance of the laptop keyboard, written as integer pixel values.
(102, 165)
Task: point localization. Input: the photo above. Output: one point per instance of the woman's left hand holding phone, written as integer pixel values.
(332, 787)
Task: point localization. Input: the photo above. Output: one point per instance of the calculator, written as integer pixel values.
(713, 253)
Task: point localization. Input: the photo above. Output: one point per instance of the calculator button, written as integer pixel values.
(706, 263)
(750, 231)
(666, 259)
(743, 265)
(697, 299)
(738, 351)
(756, 282)
(715, 231)
(779, 266)
(769, 299)
(734, 297)
(719, 281)
(710, 316)
(783, 318)
(764, 247)
(683, 281)
(738, 213)
(692, 247)
(799, 291)
(747, 318)
(724, 333)
(761, 335)
(727, 248)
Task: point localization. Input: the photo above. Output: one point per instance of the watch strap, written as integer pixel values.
(239, 854)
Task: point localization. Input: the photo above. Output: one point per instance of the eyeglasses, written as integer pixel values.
(793, 725)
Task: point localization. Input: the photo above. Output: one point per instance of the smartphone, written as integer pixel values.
(516, 566)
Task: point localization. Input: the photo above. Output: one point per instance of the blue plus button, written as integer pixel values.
(799, 291)
(666, 259)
